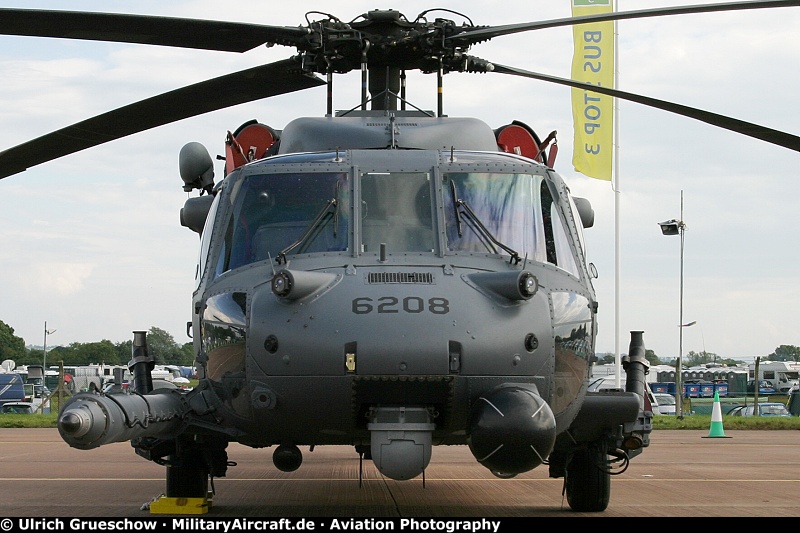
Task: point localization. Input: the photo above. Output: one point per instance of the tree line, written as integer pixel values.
(784, 352)
(161, 346)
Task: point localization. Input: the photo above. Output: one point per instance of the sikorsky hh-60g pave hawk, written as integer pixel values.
(386, 278)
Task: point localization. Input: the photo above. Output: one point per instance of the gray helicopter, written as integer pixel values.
(386, 277)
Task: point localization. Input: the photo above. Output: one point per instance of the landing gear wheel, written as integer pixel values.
(588, 480)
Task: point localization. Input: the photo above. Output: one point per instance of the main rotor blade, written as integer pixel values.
(240, 87)
(145, 29)
(780, 138)
(478, 34)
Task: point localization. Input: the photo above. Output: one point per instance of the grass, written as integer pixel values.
(8, 420)
(728, 422)
(702, 408)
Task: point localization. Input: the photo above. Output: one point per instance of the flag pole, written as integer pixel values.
(616, 189)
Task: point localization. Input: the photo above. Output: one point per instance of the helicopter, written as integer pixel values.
(384, 277)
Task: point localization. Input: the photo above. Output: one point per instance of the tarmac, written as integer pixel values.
(682, 473)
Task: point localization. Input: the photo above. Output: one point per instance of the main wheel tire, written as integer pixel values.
(588, 480)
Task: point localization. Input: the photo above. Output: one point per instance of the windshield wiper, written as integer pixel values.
(318, 222)
(477, 224)
(455, 207)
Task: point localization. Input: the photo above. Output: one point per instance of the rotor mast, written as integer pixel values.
(384, 45)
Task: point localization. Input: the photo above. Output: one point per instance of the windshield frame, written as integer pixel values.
(438, 221)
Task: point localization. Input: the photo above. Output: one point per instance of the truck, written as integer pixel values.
(12, 388)
(784, 376)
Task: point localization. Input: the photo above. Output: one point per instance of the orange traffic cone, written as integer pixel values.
(716, 430)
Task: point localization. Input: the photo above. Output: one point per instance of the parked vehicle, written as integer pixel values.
(666, 403)
(127, 387)
(115, 387)
(163, 384)
(609, 383)
(764, 387)
(18, 408)
(764, 409)
(12, 388)
(781, 375)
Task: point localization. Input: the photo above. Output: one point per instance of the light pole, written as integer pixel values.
(680, 346)
(677, 227)
(44, 349)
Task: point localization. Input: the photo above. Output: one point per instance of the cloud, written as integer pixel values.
(64, 279)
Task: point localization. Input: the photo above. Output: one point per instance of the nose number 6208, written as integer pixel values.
(409, 304)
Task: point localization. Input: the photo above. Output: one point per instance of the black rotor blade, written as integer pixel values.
(240, 87)
(780, 138)
(145, 29)
(475, 35)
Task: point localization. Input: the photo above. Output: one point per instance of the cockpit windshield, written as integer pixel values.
(397, 210)
(297, 212)
(494, 213)
(281, 215)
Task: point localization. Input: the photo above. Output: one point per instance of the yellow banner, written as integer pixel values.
(592, 113)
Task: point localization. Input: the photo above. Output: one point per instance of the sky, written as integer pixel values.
(91, 246)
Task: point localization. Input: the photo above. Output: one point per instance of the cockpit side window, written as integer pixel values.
(559, 250)
(205, 240)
